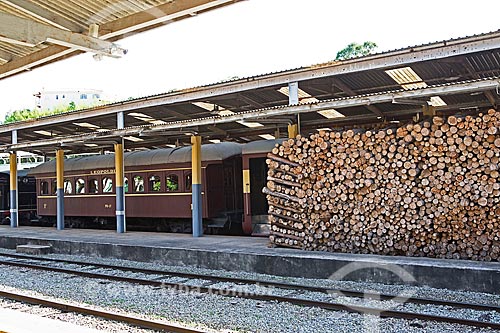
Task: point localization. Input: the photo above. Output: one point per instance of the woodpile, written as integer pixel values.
(423, 189)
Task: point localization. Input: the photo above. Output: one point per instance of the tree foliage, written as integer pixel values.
(25, 114)
(354, 50)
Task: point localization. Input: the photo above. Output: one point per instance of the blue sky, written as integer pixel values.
(249, 38)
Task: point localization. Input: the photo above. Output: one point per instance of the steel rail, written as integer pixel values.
(264, 283)
(135, 321)
(267, 297)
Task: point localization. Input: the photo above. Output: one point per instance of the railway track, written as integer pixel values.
(135, 321)
(85, 270)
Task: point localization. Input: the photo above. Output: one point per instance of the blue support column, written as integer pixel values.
(120, 191)
(14, 217)
(196, 186)
(60, 188)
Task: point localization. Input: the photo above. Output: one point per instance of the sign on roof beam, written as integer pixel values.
(17, 30)
(31, 8)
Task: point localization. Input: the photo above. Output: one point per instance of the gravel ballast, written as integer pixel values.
(227, 314)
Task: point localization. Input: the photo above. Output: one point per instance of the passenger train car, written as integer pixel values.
(158, 189)
(26, 197)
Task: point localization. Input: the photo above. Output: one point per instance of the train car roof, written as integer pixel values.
(20, 173)
(261, 146)
(209, 152)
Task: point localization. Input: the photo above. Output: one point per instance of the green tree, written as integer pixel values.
(25, 114)
(354, 50)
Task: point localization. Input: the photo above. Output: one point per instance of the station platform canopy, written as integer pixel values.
(453, 76)
(35, 33)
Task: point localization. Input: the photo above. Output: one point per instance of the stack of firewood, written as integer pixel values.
(424, 189)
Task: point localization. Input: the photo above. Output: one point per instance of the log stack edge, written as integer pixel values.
(423, 189)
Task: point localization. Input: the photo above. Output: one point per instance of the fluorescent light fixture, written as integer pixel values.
(305, 98)
(146, 118)
(206, 106)
(87, 125)
(437, 101)
(323, 129)
(404, 75)
(132, 138)
(250, 124)
(42, 132)
(302, 94)
(214, 141)
(331, 113)
(91, 145)
(416, 85)
(267, 136)
(138, 115)
(225, 112)
(407, 78)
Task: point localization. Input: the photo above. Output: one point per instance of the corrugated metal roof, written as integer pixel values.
(359, 80)
(115, 19)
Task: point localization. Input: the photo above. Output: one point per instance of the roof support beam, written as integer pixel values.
(345, 88)
(163, 14)
(31, 8)
(472, 72)
(17, 30)
(182, 116)
(387, 97)
(250, 101)
(386, 60)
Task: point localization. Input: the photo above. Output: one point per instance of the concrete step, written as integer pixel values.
(34, 249)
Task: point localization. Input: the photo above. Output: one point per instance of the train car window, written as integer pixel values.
(93, 185)
(80, 186)
(44, 188)
(172, 183)
(125, 185)
(138, 184)
(107, 185)
(188, 182)
(68, 186)
(53, 186)
(154, 184)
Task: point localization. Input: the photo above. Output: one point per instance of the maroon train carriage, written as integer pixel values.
(26, 197)
(157, 189)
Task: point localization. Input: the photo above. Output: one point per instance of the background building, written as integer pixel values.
(47, 100)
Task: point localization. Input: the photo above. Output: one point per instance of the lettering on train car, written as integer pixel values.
(102, 172)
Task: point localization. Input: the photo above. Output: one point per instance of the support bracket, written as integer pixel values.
(20, 31)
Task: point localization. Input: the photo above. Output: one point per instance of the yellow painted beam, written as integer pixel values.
(13, 171)
(196, 159)
(119, 170)
(60, 168)
(293, 131)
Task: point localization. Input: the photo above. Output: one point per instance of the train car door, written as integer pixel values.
(258, 201)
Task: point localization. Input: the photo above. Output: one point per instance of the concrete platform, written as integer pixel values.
(253, 255)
